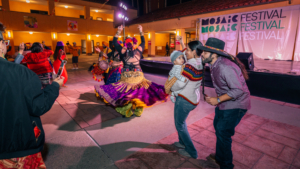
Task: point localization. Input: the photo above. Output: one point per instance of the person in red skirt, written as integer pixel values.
(59, 56)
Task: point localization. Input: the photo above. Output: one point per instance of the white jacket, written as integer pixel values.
(190, 90)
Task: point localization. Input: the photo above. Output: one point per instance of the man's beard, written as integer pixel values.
(207, 60)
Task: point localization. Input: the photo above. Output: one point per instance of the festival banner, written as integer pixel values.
(297, 47)
(270, 33)
(72, 25)
(225, 27)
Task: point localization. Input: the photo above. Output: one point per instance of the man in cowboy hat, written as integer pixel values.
(228, 76)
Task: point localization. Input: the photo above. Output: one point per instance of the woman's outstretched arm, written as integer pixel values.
(118, 47)
(142, 45)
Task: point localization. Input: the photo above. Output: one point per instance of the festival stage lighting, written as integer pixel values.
(123, 6)
(96, 10)
(97, 35)
(68, 34)
(30, 33)
(66, 7)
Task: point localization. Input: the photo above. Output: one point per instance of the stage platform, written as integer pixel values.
(261, 65)
(272, 79)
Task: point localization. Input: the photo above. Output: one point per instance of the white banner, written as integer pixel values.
(297, 47)
(225, 27)
(270, 33)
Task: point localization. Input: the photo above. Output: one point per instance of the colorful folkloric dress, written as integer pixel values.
(133, 91)
(98, 69)
(115, 71)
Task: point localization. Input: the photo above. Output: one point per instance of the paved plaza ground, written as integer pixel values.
(82, 132)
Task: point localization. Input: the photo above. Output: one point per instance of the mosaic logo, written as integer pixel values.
(220, 24)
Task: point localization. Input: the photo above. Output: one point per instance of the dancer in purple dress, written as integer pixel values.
(133, 92)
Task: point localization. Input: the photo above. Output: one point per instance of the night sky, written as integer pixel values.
(141, 3)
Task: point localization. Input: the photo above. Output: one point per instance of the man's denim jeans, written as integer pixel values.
(225, 122)
(181, 111)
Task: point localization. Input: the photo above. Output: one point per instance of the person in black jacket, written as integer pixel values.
(22, 102)
(167, 49)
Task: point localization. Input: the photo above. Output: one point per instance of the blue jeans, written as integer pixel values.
(181, 111)
(225, 122)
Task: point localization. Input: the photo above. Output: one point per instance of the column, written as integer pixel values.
(54, 40)
(9, 36)
(51, 7)
(89, 44)
(180, 32)
(87, 12)
(151, 44)
(5, 5)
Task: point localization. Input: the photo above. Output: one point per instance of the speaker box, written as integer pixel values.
(247, 60)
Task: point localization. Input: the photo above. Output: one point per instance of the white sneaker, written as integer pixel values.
(73, 68)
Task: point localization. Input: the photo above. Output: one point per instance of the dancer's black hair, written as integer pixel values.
(194, 45)
(56, 52)
(36, 47)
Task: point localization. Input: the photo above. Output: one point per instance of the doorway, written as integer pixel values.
(172, 42)
(83, 46)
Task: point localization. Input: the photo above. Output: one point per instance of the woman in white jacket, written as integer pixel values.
(188, 98)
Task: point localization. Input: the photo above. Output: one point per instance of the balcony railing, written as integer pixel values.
(47, 23)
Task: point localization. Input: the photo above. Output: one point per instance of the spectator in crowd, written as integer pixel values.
(22, 103)
(38, 62)
(44, 46)
(75, 53)
(167, 49)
